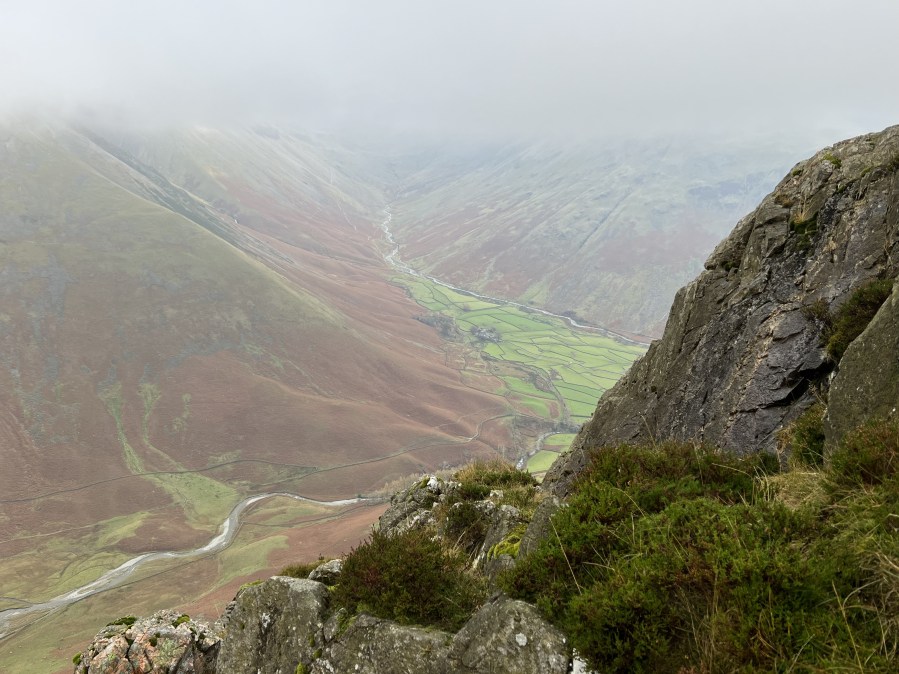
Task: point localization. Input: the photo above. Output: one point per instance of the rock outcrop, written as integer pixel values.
(165, 643)
(867, 383)
(374, 646)
(741, 352)
(273, 627)
(507, 636)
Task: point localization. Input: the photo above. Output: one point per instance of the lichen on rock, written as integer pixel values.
(164, 643)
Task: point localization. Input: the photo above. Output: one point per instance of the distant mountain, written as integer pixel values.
(605, 230)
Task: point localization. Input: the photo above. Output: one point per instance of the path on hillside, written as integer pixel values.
(393, 259)
(227, 531)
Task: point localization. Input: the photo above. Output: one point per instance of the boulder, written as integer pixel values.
(867, 382)
(508, 637)
(273, 627)
(369, 645)
(327, 573)
(165, 643)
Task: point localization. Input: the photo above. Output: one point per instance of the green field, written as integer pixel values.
(541, 461)
(549, 369)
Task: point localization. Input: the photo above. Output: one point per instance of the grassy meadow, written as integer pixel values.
(547, 369)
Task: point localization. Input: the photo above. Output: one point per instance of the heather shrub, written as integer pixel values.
(412, 578)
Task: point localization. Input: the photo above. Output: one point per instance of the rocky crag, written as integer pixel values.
(744, 354)
(288, 624)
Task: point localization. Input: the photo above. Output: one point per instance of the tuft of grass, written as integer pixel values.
(302, 569)
(833, 159)
(412, 578)
(676, 558)
(127, 620)
(868, 457)
(804, 438)
(853, 316)
(180, 620)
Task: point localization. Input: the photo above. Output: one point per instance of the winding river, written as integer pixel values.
(117, 576)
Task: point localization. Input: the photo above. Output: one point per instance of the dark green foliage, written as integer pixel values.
(819, 312)
(76, 659)
(805, 227)
(669, 559)
(127, 620)
(853, 316)
(464, 521)
(804, 438)
(411, 578)
(466, 525)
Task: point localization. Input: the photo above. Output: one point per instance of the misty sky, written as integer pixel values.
(481, 68)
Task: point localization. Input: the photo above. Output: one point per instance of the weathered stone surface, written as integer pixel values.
(867, 382)
(411, 507)
(508, 637)
(503, 521)
(539, 527)
(164, 643)
(739, 353)
(273, 627)
(374, 646)
(327, 573)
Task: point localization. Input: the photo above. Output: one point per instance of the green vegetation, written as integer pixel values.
(76, 659)
(676, 558)
(547, 367)
(463, 520)
(410, 578)
(127, 620)
(805, 227)
(833, 159)
(853, 316)
(839, 328)
(509, 545)
(302, 569)
(541, 461)
(180, 620)
(804, 438)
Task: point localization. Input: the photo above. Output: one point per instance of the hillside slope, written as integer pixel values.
(160, 359)
(606, 230)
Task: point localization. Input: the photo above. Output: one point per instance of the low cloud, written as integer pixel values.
(479, 69)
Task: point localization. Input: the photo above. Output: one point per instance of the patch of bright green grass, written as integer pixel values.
(541, 461)
(580, 364)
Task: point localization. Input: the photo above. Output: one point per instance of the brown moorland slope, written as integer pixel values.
(165, 350)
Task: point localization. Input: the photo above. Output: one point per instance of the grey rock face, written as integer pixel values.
(164, 643)
(374, 646)
(739, 352)
(867, 383)
(411, 507)
(273, 627)
(540, 526)
(508, 637)
(504, 520)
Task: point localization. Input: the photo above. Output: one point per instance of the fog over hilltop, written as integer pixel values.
(462, 68)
